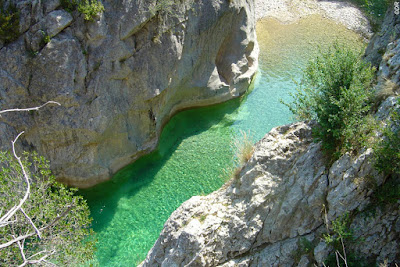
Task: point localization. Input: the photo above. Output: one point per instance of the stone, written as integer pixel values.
(56, 21)
(321, 252)
(51, 5)
(304, 262)
(289, 11)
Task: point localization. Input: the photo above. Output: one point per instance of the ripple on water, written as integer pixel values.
(129, 211)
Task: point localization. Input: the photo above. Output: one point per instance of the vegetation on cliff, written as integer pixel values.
(374, 9)
(41, 221)
(89, 8)
(388, 151)
(336, 92)
(61, 219)
(9, 22)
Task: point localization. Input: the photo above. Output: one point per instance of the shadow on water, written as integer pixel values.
(104, 199)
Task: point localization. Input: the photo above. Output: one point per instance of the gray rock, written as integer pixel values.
(120, 78)
(285, 193)
(56, 21)
(321, 252)
(304, 262)
(388, 33)
(50, 5)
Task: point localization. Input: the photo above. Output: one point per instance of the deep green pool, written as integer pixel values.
(195, 146)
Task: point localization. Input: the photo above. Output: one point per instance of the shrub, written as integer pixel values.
(336, 91)
(341, 238)
(374, 10)
(387, 152)
(89, 8)
(243, 147)
(162, 6)
(61, 217)
(9, 22)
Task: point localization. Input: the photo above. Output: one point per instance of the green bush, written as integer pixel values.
(387, 152)
(374, 9)
(89, 8)
(336, 92)
(60, 215)
(9, 22)
(341, 238)
(162, 6)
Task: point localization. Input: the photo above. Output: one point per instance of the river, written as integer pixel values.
(195, 146)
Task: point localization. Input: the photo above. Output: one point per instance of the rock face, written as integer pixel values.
(281, 200)
(120, 77)
(390, 31)
(384, 53)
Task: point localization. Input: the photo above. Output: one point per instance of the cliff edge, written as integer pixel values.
(120, 77)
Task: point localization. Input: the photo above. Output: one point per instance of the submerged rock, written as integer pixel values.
(120, 77)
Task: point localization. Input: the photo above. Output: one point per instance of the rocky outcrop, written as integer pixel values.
(389, 32)
(285, 196)
(120, 77)
(384, 53)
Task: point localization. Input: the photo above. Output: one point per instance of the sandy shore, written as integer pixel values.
(288, 11)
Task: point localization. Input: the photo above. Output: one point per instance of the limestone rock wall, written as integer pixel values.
(384, 53)
(120, 77)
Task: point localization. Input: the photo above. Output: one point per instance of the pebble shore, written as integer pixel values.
(289, 11)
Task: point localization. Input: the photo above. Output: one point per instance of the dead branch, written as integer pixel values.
(42, 259)
(21, 249)
(31, 222)
(344, 252)
(23, 237)
(19, 238)
(14, 209)
(29, 109)
(5, 219)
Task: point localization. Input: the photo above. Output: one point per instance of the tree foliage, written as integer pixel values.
(336, 91)
(9, 22)
(89, 8)
(61, 217)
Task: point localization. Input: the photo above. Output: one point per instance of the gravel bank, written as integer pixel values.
(288, 11)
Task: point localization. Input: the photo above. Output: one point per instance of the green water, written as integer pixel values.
(129, 211)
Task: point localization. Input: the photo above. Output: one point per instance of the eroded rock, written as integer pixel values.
(120, 77)
(285, 194)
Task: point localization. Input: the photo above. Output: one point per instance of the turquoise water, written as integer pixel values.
(195, 146)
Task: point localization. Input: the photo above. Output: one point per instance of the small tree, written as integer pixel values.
(336, 91)
(89, 8)
(41, 221)
(387, 151)
(9, 22)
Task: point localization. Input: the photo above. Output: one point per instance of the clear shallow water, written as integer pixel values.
(195, 146)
